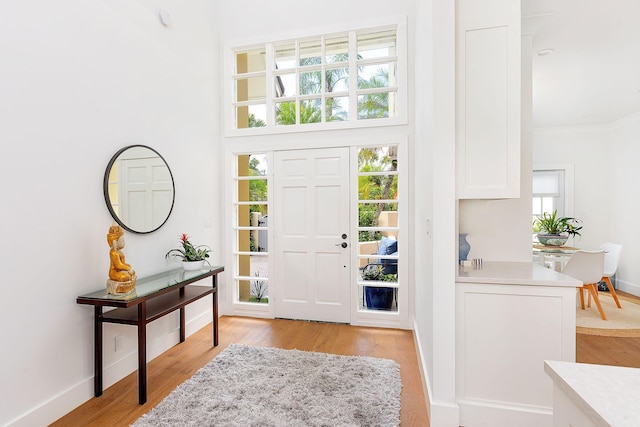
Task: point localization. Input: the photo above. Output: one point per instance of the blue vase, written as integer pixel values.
(463, 247)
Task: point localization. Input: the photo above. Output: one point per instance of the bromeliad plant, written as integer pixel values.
(188, 252)
(554, 225)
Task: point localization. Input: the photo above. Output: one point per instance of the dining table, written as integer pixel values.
(552, 256)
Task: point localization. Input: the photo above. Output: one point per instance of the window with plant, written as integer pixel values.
(251, 202)
(378, 227)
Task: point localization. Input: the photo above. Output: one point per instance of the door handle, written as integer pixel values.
(343, 244)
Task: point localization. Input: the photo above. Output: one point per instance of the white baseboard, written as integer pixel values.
(441, 414)
(500, 414)
(630, 288)
(69, 399)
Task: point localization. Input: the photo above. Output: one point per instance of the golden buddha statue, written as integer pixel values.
(122, 278)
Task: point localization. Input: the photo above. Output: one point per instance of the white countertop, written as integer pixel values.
(514, 273)
(608, 395)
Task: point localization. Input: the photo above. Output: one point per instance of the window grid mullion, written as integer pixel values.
(323, 80)
(353, 77)
(269, 68)
(297, 101)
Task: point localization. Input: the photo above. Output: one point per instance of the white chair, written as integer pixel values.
(611, 260)
(588, 267)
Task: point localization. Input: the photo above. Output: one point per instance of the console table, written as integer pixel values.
(154, 296)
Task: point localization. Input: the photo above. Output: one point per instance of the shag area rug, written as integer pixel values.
(254, 386)
(621, 322)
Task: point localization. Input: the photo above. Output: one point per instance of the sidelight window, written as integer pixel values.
(378, 229)
(251, 253)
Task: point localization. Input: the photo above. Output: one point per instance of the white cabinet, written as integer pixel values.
(510, 318)
(488, 98)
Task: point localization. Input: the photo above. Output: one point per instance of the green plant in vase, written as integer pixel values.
(189, 252)
(554, 230)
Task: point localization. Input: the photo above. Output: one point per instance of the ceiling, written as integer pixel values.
(593, 75)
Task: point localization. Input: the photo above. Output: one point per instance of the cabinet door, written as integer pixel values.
(488, 102)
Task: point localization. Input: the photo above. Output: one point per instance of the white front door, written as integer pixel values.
(311, 200)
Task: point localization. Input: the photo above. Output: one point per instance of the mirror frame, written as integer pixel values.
(105, 188)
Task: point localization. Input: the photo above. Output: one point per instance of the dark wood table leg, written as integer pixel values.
(97, 349)
(215, 309)
(182, 320)
(142, 352)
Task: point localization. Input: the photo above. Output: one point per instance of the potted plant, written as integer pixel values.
(378, 298)
(554, 231)
(192, 257)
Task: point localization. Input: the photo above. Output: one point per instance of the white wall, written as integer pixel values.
(624, 204)
(435, 207)
(587, 150)
(79, 80)
(604, 159)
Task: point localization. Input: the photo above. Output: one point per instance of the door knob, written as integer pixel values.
(343, 244)
(344, 236)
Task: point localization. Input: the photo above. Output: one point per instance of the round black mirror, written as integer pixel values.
(138, 189)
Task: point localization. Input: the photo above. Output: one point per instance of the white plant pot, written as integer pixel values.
(192, 265)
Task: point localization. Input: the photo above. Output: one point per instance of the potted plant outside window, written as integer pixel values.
(555, 231)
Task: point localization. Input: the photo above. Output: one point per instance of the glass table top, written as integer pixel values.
(151, 284)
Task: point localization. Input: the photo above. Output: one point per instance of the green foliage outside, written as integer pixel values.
(374, 273)
(375, 187)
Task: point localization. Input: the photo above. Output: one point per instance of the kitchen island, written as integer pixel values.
(510, 318)
(594, 395)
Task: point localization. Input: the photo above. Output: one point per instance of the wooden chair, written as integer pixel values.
(588, 267)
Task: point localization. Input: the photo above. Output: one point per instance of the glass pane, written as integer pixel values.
(259, 291)
(310, 82)
(253, 240)
(251, 116)
(257, 191)
(377, 45)
(337, 49)
(250, 61)
(379, 298)
(378, 215)
(373, 106)
(285, 85)
(547, 204)
(310, 53)
(379, 187)
(258, 265)
(536, 206)
(252, 215)
(286, 113)
(252, 165)
(285, 55)
(373, 76)
(337, 108)
(251, 89)
(378, 159)
(310, 111)
(336, 79)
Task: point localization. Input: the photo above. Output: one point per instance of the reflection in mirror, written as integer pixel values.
(138, 189)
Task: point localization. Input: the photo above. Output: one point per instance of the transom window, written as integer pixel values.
(331, 80)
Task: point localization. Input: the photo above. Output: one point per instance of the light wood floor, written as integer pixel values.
(118, 406)
(609, 350)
